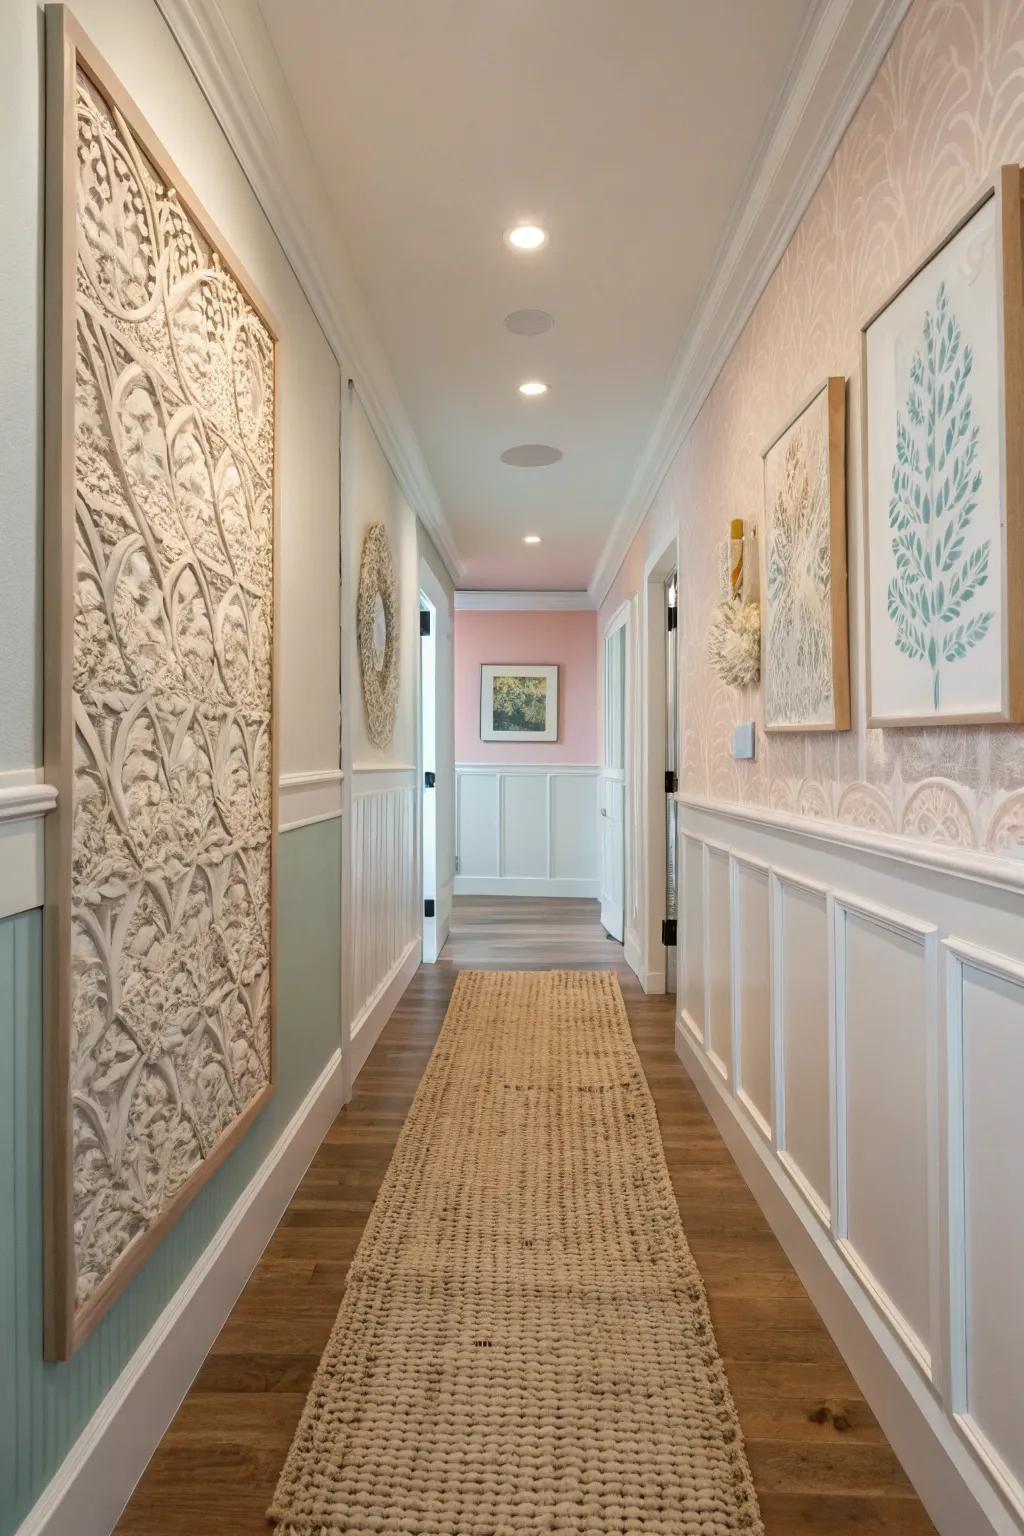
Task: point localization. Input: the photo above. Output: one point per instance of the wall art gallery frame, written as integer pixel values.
(489, 672)
(246, 366)
(830, 398)
(964, 553)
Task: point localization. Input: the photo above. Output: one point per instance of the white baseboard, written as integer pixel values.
(367, 1027)
(632, 956)
(951, 1485)
(500, 885)
(653, 983)
(96, 1478)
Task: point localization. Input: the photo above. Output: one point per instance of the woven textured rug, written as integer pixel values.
(524, 1343)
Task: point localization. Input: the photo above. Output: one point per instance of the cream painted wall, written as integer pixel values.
(371, 494)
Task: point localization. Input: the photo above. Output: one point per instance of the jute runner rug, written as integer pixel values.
(524, 1344)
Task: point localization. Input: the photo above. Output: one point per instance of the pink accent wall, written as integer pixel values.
(568, 640)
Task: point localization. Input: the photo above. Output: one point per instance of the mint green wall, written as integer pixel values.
(43, 1407)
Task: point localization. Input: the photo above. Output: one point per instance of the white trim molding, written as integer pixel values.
(367, 1026)
(96, 1479)
(237, 72)
(523, 602)
(838, 56)
(991, 869)
(24, 801)
(305, 798)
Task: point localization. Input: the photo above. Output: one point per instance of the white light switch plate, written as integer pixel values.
(743, 740)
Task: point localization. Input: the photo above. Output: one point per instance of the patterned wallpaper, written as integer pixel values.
(946, 109)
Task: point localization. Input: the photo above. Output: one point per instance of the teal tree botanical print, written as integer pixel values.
(935, 487)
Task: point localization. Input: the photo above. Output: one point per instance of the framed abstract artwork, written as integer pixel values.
(518, 703)
(160, 692)
(943, 382)
(805, 658)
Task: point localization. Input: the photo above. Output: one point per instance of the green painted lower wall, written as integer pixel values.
(43, 1408)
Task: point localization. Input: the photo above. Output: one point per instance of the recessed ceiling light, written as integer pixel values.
(526, 237)
(531, 538)
(529, 322)
(531, 455)
(533, 387)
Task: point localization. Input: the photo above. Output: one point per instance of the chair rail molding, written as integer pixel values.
(842, 45)
(308, 797)
(24, 801)
(993, 869)
(263, 129)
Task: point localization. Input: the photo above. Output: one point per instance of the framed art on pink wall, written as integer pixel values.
(943, 411)
(518, 702)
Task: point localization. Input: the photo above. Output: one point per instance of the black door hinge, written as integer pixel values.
(424, 621)
(668, 932)
(429, 779)
(671, 781)
(428, 906)
(673, 617)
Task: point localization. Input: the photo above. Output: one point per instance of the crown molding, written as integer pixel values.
(839, 53)
(239, 75)
(522, 602)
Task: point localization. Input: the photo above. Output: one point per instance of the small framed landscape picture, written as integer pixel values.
(518, 703)
(943, 382)
(805, 658)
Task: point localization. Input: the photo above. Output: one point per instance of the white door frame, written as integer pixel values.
(435, 871)
(621, 775)
(651, 852)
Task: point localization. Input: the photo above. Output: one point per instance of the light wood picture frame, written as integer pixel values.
(944, 497)
(161, 609)
(518, 702)
(805, 647)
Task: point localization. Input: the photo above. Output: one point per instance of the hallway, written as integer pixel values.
(820, 1463)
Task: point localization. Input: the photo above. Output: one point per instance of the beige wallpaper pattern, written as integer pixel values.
(946, 109)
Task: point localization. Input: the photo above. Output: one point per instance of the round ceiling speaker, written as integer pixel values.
(531, 455)
(529, 322)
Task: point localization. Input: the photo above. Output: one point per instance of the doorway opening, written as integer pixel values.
(660, 814)
(613, 786)
(428, 781)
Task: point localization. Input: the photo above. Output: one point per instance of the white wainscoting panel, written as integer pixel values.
(385, 892)
(752, 981)
(524, 826)
(801, 1031)
(691, 934)
(986, 1232)
(526, 830)
(717, 958)
(874, 1099)
(886, 1064)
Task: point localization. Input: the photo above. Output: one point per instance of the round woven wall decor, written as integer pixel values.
(377, 624)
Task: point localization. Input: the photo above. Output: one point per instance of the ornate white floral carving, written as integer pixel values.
(171, 694)
(1006, 829)
(937, 812)
(377, 625)
(864, 806)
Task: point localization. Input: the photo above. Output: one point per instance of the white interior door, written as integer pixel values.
(612, 798)
(428, 755)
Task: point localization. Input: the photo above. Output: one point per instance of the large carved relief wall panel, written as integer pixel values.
(160, 692)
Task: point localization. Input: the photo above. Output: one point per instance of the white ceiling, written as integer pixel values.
(629, 128)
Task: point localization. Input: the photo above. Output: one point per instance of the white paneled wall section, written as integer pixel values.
(526, 830)
(854, 1016)
(385, 935)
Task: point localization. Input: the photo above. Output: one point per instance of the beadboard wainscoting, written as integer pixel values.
(384, 924)
(526, 830)
(854, 1017)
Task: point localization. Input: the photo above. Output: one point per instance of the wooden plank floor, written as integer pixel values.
(820, 1461)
